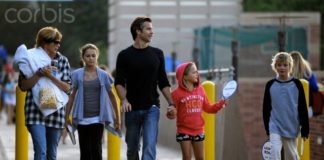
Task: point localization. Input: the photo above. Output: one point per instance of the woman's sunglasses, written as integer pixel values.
(53, 41)
(56, 42)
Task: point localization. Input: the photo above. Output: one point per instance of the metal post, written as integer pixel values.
(305, 153)
(210, 122)
(234, 58)
(195, 56)
(281, 40)
(113, 142)
(173, 59)
(21, 130)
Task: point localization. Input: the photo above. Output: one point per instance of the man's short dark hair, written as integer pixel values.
(138, 24)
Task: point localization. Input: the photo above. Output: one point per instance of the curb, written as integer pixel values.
(3, 154)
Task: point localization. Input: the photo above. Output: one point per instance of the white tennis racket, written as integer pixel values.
(266, 148)
(229, 89)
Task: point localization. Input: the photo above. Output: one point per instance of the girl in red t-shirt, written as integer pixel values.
(190, 100)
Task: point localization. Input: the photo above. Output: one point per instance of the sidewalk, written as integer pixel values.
(66, 151)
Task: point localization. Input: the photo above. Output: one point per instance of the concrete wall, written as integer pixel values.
(317, 129)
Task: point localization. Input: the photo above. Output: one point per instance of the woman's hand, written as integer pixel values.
(47, 71)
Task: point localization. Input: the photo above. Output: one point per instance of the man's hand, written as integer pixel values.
(125, 106)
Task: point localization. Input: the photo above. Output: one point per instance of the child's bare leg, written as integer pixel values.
(10, 113)
(64, 134)
(186, 150)
(198, 148)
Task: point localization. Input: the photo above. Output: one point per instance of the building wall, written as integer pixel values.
(173, 22)
(317, 129)
(317, 136)
(249, 101)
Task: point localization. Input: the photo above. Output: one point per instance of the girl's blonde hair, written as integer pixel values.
(87, 46)
(302, 68)
(282, 57)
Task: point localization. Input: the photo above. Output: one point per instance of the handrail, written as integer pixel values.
(211, 73)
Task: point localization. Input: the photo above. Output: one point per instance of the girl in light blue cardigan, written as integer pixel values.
(94, 104)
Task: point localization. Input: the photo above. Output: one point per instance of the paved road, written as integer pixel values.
(66, 151)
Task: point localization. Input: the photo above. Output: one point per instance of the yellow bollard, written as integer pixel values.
(113, 140)
(210, 123)
(306, 154)
(21, 130)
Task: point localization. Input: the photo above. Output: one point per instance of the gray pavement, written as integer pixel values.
(66, 151)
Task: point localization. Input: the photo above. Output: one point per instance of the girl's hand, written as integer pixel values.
(226, 102)
(117, 124)
(171, 112)
(67, 122)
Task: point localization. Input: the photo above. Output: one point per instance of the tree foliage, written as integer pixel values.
(80, 22)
